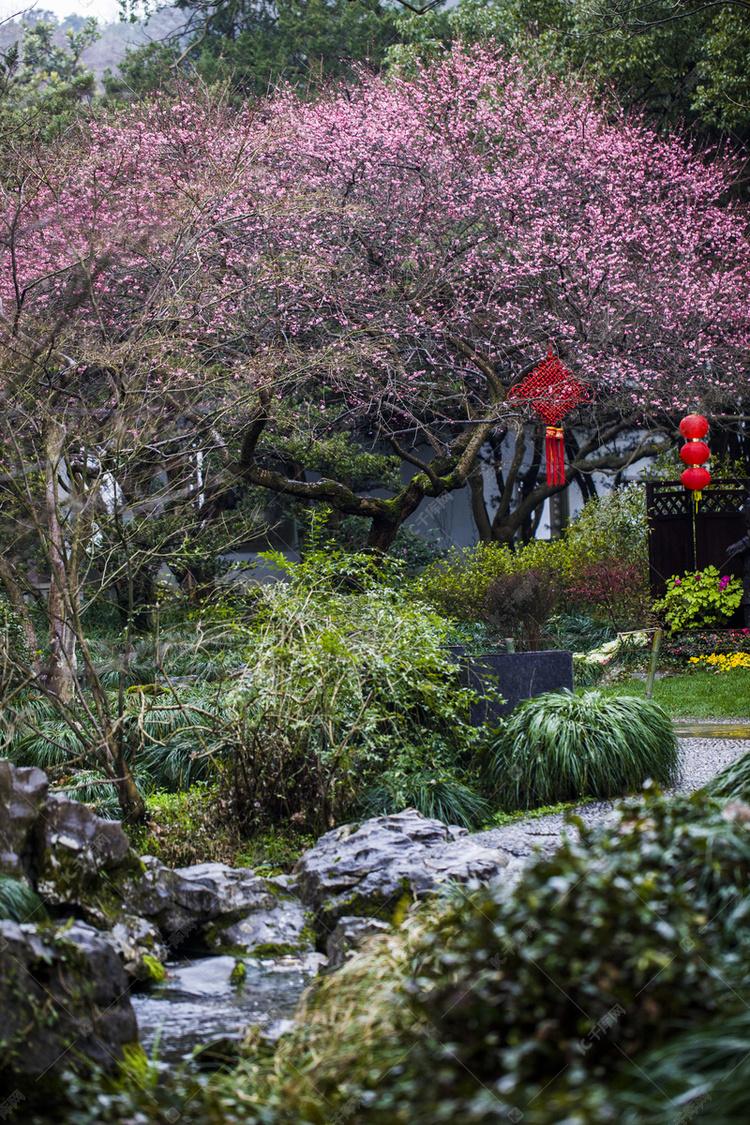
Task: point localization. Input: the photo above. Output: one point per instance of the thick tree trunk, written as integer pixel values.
(383, 528)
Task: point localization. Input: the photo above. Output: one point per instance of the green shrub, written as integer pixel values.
(560, 746)
(520, 605)
(343, 671)
(604, 949)
(700, 599)
(609, 535)
(614, 527)
(530, 1002)
(458, 586)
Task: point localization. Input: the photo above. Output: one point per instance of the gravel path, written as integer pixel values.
(700, 760)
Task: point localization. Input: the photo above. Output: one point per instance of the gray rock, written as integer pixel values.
(139, 946)
(366, 870)
(78, 845)
(184, 902)
(286, 928)
(348, 934)
(23, 792)
(65, 1004)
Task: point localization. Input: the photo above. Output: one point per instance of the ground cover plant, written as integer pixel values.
(677, 649)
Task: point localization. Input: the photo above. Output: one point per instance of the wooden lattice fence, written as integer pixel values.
(671, 550)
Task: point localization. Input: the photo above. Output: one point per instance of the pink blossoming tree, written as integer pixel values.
(269, 293)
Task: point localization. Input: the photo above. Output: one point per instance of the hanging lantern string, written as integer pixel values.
(552, 392)
(693, 453)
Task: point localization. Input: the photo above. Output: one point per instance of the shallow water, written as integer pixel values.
(712, 730)
(198, 1003)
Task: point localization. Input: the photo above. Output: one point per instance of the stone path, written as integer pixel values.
(700, 758)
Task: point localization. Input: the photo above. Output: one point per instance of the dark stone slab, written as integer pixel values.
(514, 676)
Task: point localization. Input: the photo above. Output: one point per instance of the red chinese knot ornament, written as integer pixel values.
(552, 392)
(693, 453)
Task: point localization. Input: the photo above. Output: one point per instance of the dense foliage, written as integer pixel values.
(599, 568)
(682, 63)
(700, 599)
(306, 697)
(255, 45)
(561, 999)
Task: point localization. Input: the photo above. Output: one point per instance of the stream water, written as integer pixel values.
(198, 1003)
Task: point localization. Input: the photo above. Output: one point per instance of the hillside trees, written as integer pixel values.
(42, 74)
(680, 62)
(255, 45)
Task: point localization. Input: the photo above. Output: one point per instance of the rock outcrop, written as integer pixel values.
(115, 918)
(65, 1002)
(220, 907)
(23, 795)
(78, 847)
(367, 870)
(348, 935)
(79, 862)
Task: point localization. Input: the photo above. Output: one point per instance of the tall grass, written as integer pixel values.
(18, 903)
(560, 746)
(430, 793)
(733, 782)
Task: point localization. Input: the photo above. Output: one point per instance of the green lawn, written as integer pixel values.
(699, 695)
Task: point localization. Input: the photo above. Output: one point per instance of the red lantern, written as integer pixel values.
(694, 426)
(696, 478)
(695, 452)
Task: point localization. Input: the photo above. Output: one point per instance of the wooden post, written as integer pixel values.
(653, 662)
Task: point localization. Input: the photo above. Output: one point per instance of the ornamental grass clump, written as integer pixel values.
(18, 903)
(733, 782)
(560, 746)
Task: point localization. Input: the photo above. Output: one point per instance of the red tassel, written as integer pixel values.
(549, 454)
(560, 457)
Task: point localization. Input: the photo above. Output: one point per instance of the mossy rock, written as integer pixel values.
(65, 1003)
